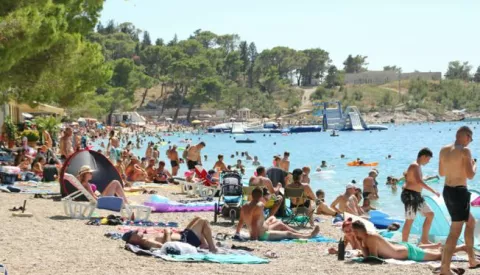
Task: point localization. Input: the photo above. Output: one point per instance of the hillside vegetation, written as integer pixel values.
(433, 96)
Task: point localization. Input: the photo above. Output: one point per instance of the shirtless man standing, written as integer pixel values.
(375, 245)
(172, 155)
(369, 185)
(412, 196)
(347, 202)
(251, 214)
(66, 146)
(285, 162)
(272, 198)
(194, 155)
(456, 165)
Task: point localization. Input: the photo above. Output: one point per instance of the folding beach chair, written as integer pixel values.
(299, 214)
(78, 209)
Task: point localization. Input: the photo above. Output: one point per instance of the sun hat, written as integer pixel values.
(85, 169)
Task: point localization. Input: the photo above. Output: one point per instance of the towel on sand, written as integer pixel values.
(216, 258)
(371, 259)
(316, 239)
(225, 256)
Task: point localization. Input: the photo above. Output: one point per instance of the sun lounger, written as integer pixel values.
(77, 209)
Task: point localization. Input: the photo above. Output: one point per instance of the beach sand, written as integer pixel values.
(49, 243)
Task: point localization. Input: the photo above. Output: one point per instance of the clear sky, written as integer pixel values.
(419, 35)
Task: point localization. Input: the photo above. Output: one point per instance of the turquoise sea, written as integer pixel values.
(402, 142)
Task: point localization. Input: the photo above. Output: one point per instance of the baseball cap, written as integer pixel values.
(350, 186)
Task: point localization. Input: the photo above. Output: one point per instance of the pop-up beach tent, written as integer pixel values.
(104, 173)
(441, 222)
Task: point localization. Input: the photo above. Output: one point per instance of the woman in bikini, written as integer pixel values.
(85, 175)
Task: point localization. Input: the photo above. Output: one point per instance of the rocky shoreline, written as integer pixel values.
(419, 115)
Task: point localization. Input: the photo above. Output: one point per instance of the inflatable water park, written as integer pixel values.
(333, 118)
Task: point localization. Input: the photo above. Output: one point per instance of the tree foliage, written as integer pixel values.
(355, 64)
(44, 57)
(457, 70)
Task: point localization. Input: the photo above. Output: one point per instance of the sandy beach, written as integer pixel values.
(50, 243)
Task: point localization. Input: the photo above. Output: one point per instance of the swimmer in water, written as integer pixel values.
(324, 164)
(342, 156)
(389, 157)
(255, 161)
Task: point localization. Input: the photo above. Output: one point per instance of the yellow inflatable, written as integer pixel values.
(356, 163)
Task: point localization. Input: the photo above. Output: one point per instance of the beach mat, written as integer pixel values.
(216, 258)
(377, 260)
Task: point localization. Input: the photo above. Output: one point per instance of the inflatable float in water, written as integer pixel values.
(355, 163)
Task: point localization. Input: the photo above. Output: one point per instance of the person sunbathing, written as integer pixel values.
(322, 207)
(349, 237)
(161, 174)
(375, 245)
(252, 215)
(85, 175)
(135, 172)
(198, 233)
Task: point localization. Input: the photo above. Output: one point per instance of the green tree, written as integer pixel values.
(146, 40)
(244, 58)
(355, 64)
(333, 77)
(40, 42)
(159, 42)
(319, 94)
(252, 57)
(457, 70)
(392, 68)
(476, 77)
(316, 65)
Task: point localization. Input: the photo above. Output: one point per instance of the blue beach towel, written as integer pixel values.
(216, 258)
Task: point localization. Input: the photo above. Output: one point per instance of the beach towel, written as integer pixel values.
(229, 256)
(372, 259)
(216, 258)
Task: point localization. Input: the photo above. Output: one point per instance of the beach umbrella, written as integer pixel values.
(196, 122)
(168, 119)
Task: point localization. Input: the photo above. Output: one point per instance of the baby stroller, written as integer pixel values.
(231, 196)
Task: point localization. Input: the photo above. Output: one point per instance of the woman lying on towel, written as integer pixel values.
(197, 233)
(85, 175)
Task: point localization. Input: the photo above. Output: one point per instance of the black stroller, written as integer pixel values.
(231, 196)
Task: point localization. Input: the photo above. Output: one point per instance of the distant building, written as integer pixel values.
(382, 77)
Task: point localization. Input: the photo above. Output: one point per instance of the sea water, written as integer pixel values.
(402, 142)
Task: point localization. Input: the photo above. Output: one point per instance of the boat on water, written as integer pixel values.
(245, 141)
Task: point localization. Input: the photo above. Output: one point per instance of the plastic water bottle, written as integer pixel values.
(341, 250)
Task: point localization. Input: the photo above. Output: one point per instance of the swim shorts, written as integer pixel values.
(191, 164)
(414, 202)
(188, 236)
(305, 204)
(174, 163)
(264, 236)
(365, 194)
(457, 200)
(415, 253)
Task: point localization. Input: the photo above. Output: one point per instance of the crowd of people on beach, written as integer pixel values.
(267, 200)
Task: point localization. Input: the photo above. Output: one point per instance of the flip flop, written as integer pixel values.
(456, 270)
(270, 254)
(474, 267)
